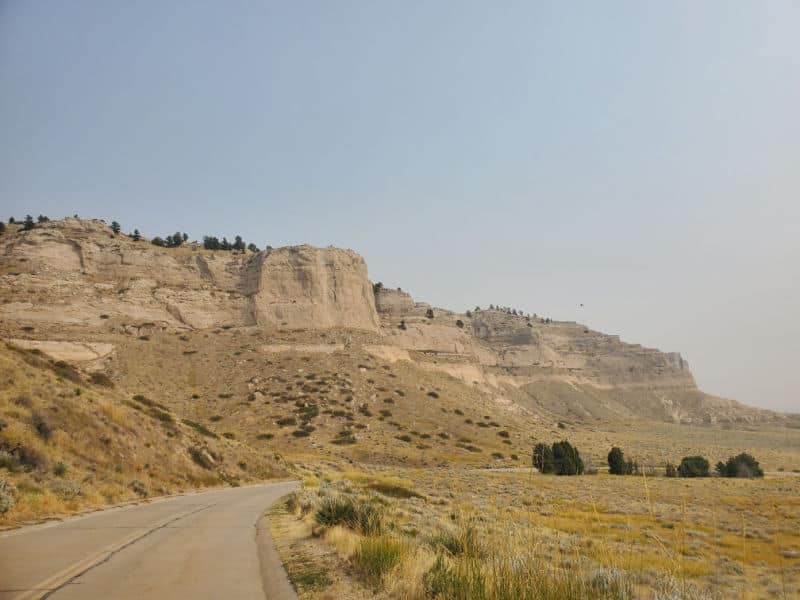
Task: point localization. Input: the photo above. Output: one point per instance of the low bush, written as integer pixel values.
(8, 496)
(101, 379)
(42, 425)
(743, 465)
(30, 458)
(344, 438)
(201, 457)
(200, 428)
(139, 488)
(693, 466)
(66, 489)
(9, 461)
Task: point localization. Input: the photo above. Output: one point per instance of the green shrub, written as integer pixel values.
(60, 469)
(616, 461)
(161, 415)
(9, 461)
(543, 458)
(743, 465)
(284, 421)
(376, 556)
(66, 371)
(8, 496)
(101, 379)
(201, 457)
(693, 466)
(30, 458)
(567, 459)
(139, 488)
(200, 428)
(66, 489)
(42, 425)
(344, 437)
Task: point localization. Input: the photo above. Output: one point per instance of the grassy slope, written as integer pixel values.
(67, 444)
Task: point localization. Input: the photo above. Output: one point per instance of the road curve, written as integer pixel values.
(212, 544)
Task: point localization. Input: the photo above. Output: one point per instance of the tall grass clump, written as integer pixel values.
(375, 556)
(507, 576)
(467, 569)
(349, 512)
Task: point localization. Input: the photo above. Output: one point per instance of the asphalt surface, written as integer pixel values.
(212, 544)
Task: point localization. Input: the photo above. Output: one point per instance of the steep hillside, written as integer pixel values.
(254, 339)
(71, 440)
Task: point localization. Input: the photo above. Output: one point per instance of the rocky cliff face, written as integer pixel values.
(78, 272)
(65, 280)
(393, 302)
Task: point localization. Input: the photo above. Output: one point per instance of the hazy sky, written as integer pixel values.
(641, 158)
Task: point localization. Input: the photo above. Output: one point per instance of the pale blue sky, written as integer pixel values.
(641, 158)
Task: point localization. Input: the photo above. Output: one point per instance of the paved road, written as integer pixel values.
(207, 545)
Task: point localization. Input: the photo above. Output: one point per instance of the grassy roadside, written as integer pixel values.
(459, 534)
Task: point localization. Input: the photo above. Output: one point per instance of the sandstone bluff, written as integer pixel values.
(70, 286)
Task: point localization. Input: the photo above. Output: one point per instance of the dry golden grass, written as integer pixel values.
(656, 537)
(68, 445)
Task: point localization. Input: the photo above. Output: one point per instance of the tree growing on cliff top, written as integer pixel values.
(115, 227)
(238, 244)
(28, 224)
(136, 236)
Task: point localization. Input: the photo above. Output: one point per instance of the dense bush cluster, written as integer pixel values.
(171, 241)
(693, 466)
(617, 465)
(742, 465)
(562, 458)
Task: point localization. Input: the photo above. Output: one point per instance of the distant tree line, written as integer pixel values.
(171, 241)
(742, 465)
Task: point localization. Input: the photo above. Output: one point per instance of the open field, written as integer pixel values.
(656, 537)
